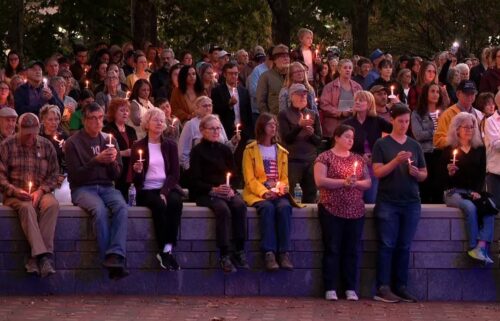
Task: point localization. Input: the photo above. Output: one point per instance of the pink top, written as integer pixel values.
(344, 202)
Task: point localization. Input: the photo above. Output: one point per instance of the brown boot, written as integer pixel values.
(285, 262)
(270, 261)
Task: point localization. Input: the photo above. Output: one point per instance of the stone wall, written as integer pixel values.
(439, 266)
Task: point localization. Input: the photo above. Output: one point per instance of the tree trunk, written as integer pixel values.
(144, 22)
(359, 16)
(280, 21)
(16, 28)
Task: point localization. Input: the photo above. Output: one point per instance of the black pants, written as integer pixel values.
(166, 217)
(302, 172)
(226, 212)
(341, 239)
(431, 190)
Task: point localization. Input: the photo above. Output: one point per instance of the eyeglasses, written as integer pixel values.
(467, 127)
(214, 129)
(5, 88)
(206, 105)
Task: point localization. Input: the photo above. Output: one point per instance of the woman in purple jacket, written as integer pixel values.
(156, 176)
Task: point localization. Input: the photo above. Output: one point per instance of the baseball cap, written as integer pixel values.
(223, 53)
(377, 88)
(33, 63)
(8, 112)
(467, 86)
(280, 49)
(214, 48)
(29, 124)
(377, 53)
(296, 88)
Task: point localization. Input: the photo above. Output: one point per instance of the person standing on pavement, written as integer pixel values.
(399, 164)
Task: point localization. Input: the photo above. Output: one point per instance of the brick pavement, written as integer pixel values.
(127, 308)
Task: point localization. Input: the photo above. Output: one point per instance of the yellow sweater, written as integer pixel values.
(441, 134)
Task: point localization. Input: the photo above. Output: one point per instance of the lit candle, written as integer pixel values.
(57, 140)
(110, 144)
(455, 152)
(86, 84)
(228, 176)
(437, 113)
(86, 70)
(140, 155)
(308, 117)
(149, 65)
(238, 128)
(355, 167)
(44, 82)
(30, 185)
(409, 162)
(175, 119)
(234, 91)
(392, 90)
(317, 52)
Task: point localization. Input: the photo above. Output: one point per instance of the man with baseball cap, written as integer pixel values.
(35, 93)
(271, 81)
(375, 57)
(8, 118)
(466, 94)
(382, 104)
(28, 174)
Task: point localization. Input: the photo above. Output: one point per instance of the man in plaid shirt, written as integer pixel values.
(28, 175)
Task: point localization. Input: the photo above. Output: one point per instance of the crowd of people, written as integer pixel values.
(347, 131)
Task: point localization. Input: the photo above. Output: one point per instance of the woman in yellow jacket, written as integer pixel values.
(265, 170)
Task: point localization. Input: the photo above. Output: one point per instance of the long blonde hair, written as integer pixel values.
(289, 76)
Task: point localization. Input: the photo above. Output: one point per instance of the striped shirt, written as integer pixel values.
(20, 165)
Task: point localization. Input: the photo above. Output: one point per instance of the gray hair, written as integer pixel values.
(461, 67)
(208, 118)
(55, 80)
(456, 122)
(150, 113)
(46, 109)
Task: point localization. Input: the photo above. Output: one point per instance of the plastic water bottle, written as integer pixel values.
(132, 195)
(297, 193)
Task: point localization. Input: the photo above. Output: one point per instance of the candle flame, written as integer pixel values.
(455, 152)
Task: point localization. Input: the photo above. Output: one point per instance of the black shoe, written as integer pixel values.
(114, 261)
(46, 266)
(168, 261)
(405, 295)
(118, 273)
(384, 294)
(240, 260)
(226, 264)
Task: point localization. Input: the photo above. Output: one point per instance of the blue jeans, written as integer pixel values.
(99, 201)
(275, 224)
(485, 233)
(397, 225)
(370, 195)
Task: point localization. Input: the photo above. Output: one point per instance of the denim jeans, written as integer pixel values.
(370, 195)
(341, 239)
(275, 224)
(99, 201)
(397, 225)
(474, 232)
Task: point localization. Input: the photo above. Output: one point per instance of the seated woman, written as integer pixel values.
(173, 125)
(463, 166)
(211, 165)
(265, 170)
(191, 134)
(118, 112)
(156, 177)
(341, 177)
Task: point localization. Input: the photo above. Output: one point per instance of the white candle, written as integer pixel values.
(140, 155)
(308, 117)
(110, 144)
(44, 82)
(392, 90)
(355, 167)
(86, 84)
(228, 176)
(238, 128)
(455, 152)
(30, 184)
(175, 119)
(409, 162)
(234, 91)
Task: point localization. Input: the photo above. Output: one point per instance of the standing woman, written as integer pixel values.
(265, 170)
(210, 163)
(491, 78)
(118, 115)
(297, 75)
(139, 103)
(183, 97)
(6, 96)
(337, 99)
(341, 177)
(404, 81)
(140, 71)
(426, 75)
(492, 142)
(207, 76)
(13, 65)
(464, 175)
(368, 127)
(423, 125)
(156, 177)
(112, 89)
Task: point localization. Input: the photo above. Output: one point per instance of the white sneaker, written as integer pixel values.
(331, 295)
(351, 295)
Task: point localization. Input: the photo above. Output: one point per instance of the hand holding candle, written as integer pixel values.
(140, 156)
(30, 185)
(238, 130)
(455, 152)
(110, 144)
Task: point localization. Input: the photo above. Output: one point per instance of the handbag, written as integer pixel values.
(485, 205)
